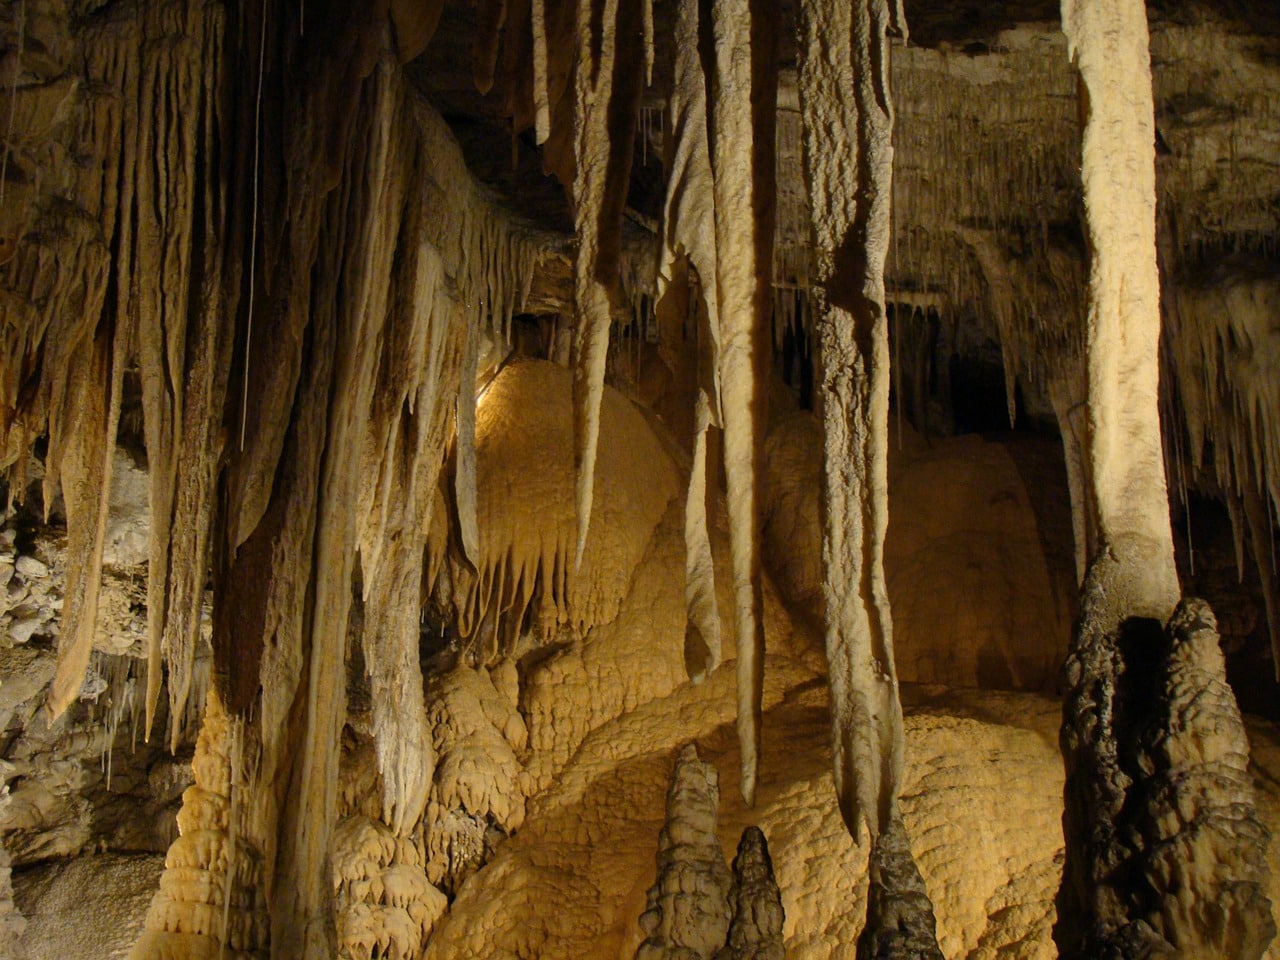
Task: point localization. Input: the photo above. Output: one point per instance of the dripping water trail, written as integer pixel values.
(897, 310)
(13, 98)
(253, 226)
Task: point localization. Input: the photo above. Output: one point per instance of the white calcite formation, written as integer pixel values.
(843, 69)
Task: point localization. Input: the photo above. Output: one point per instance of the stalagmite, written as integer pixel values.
(211, 898)
(741, 102)
(688, 912)
(900, 921)
(756, 930)
(1108, 41)
(848, 122)
(1164, 848)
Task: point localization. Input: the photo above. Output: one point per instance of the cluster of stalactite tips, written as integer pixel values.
(240, 237)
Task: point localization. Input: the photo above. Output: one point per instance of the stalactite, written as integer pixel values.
(689, 233)
(85, 458)
(402, 463)
(848, 123)
(1220, 331)
(606, 97)
(465, 460)
(1108, 41)
(356, 252)
(541, 95)
(742, 97)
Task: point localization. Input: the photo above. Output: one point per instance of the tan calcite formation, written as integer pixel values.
(211, 901)
(1131, 587)
(104, 313)
(688, 254)
(615, 667)
(12, 923)
(384, 904)
(741, 98)
(1224, 334)
(715, 266)
(577, 687)
(981, 799)
(1166, 853)
(480, 783)
(847, 113)
(977, 559)
(526, 511)
(688, 912)
(606, 83)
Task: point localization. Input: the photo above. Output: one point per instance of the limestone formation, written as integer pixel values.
(383, 406)
(900, 922)
(844, 87)
(756, 930)
(1164, 846)
(689, 911)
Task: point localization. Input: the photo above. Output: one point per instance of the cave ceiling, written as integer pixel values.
(987, 132)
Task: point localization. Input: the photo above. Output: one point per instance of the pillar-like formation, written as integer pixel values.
(696, 908)
(1164, 854)
(688, 913)
(756, 930)
(1108, 41)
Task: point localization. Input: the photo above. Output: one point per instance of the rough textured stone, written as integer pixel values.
(1165, 851)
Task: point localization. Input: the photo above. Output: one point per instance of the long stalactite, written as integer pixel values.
(847, 113)
(606, 92)
(688, 254)
(742, 101)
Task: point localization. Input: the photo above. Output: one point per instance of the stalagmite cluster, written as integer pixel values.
(408, 411)
(696, 907)
(1168, 861)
